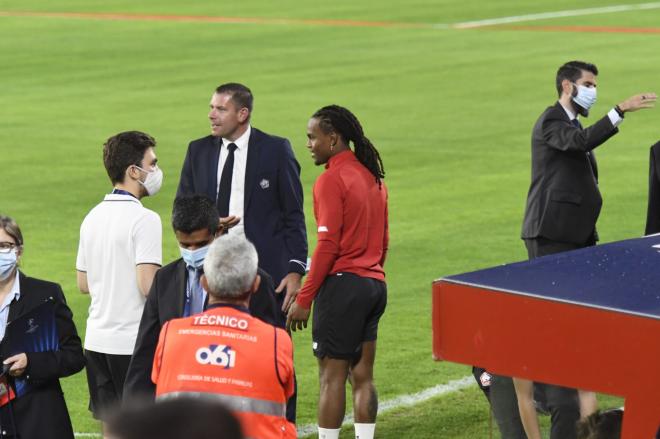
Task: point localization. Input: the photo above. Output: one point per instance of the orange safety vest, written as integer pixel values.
(224, 354)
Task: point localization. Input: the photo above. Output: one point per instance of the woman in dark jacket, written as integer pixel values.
(39, 410)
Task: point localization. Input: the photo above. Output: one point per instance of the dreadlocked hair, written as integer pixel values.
(343, 122)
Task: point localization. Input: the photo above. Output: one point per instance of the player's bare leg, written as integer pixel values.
(365, 397)
(333, 374)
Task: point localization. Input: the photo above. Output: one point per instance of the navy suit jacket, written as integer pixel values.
(273, 214)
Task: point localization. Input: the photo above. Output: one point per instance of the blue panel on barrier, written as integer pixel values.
(623, 276)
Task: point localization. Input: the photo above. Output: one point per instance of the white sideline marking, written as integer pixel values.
(547, 15)
(386, 406)
(405, 401)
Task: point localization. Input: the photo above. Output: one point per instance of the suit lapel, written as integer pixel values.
(17, 307)
(251, 167)
(593, 164)
(180, 287)
(560, 112)
(213, 158)
(591, 157)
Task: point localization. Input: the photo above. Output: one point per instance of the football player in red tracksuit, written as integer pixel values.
(346, 281)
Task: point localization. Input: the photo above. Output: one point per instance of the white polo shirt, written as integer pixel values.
(116, 236)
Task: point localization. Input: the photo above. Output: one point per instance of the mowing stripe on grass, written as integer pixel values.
(405, 401)
(386, 406)
(556, 14)
(333, 22)
(212, 19)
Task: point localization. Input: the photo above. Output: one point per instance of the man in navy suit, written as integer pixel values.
(255, 179)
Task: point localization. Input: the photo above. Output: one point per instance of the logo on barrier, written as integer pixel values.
(217, 355)
(485, 379)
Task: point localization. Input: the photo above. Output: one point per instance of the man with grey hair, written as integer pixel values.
(224, 353)
(231, 270)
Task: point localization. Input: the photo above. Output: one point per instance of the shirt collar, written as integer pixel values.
(123, 192)
(569, 113)
(121, 197)
(242, 142)
(15, 292)
(192, 269)
(342, 157)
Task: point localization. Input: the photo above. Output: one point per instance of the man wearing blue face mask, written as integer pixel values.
(563, 205)
(563, 202)
(177, 291)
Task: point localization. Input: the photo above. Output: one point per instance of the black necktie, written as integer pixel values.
(590, 155)
(224, 192)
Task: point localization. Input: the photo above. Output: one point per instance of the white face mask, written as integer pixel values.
(154, 180)
(586, 96)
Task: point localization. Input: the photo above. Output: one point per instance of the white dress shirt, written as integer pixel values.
(237, 197)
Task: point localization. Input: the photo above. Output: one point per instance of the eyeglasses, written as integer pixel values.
(6, 247)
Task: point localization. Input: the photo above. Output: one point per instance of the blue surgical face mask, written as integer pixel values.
(7, 263)
(194, 258)
(586, 96)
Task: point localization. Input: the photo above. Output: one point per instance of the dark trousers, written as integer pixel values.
(562, 402)
(504, 404)
(293, 401)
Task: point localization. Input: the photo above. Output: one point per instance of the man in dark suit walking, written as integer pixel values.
(563, 205)
(255, 179)
(563, 202)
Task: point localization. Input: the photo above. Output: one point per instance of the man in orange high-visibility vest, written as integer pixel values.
(224, 353)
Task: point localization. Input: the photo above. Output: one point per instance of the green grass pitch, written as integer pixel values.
(450, 110)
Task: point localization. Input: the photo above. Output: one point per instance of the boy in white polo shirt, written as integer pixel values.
(119, 252)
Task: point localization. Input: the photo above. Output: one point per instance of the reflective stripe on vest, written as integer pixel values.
(235, 403)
